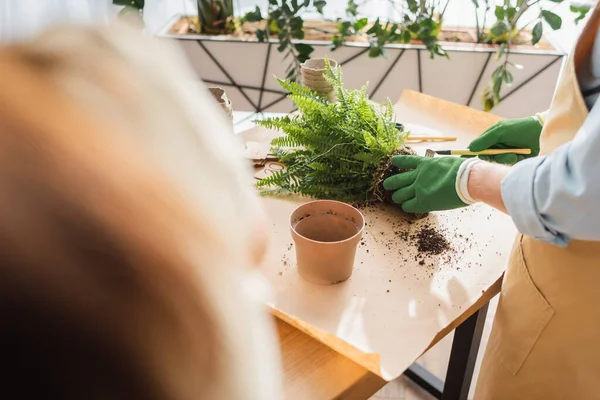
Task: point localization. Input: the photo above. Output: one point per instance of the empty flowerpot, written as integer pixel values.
(316, 67)
(326, 234)
(220, 96)
(317, 84)
(322, 90)
(312, 77)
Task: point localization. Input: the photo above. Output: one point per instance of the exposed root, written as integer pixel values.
(387, 170)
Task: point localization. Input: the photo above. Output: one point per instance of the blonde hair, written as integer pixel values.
(138, 153)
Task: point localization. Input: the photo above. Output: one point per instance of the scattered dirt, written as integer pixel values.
(421, 243)
(431, 241)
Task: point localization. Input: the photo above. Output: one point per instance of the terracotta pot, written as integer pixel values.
(326, 234)
(221, 97)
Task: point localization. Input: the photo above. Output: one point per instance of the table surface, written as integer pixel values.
(313, 369)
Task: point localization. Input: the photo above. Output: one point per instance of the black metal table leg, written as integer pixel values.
(426, 380)
(465, 346)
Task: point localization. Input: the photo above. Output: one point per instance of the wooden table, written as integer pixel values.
(313, 370)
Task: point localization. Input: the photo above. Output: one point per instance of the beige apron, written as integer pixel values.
(545, 341)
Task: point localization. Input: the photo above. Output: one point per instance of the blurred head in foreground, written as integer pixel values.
(126, 223)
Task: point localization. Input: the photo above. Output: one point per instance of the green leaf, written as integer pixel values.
(376, 51)
(556, 1)
(336, 42)
(498, 72)
(414, 28)
(413, 6)
(499, 29)
(282, 45)
(320, 5)
(295, 5)
(511, 12)
(296, 23)
(406, 36)
(537, 32)
(508, 77)
(426, 23)
(488, 104)
(499, 12)
(273, 2)
(253, 16)
(306, 3)
(285, 8)
(303, 48)
(500, 51)
(582, 10)
(303, 57)
(497, 85)
(275, 14)
(552, 19)
(375, 29)
(352, 8)
(344, 28)
(360, 24)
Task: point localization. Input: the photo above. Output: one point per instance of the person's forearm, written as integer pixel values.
(485, 182)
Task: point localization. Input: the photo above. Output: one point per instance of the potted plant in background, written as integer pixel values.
(505, 32)
(132, 11)
(391, 54)
(214, 17)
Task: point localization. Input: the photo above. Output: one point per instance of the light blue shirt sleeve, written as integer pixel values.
(556, 198)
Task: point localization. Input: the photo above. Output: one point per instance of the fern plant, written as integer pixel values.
(334, 150)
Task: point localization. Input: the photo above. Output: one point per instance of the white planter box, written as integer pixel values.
(246, 69)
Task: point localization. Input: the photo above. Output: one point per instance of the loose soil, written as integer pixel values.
(326, 30)
(431, 241)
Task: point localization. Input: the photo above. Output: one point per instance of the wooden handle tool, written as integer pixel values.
(488, 152)
(425, 138)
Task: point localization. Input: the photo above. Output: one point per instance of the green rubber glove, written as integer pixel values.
(510, 133)
(430, 186)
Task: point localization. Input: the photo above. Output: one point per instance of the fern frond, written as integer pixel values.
(331, 150)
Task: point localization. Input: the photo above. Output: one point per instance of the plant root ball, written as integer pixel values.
(388, 170)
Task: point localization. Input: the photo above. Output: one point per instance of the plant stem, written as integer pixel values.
(522, 8)
(487, 9)
(477, 29)
(444, 9)
(291, 48)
